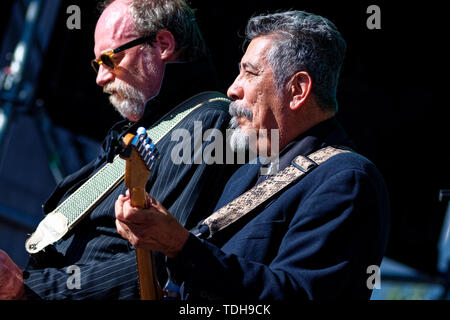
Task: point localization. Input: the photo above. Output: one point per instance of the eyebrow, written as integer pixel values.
(248, 66)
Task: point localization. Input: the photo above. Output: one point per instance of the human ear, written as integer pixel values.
(166, 44)
(300, 89)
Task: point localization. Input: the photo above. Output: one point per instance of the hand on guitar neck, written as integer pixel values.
(153, 228)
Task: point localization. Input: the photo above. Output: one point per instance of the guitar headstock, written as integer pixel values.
(140, 154)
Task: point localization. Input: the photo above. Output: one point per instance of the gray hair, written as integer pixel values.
(303, 42)
(152, 16)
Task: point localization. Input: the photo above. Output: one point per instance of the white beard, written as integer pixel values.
(128, 101)
(239, 140)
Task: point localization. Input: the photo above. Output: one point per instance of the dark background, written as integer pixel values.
(392, 96)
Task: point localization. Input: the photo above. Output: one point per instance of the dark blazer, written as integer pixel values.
(315, 240)
(106, 261)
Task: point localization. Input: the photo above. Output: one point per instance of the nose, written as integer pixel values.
(235, 91)
(104, 76)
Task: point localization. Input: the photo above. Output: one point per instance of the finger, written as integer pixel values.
(149, 201)
(118, 208)
(154, 204)
(158, 207)
(126, 196)
(121, 229)
(133, 215)
(126, 233)
(128, 211)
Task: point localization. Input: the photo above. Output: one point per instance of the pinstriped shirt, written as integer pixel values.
(103, 262)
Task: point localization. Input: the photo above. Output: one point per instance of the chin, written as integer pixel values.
(239, 140)
(129, 109)
(132, 118)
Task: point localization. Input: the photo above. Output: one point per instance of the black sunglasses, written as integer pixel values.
(107, 58)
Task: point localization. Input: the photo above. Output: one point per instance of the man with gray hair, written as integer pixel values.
(315, 228)
(151, 59)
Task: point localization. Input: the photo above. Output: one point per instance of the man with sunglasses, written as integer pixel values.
(150, 58)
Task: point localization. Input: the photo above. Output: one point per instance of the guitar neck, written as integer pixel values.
(148, 283)
(140, 154)
(138, 197)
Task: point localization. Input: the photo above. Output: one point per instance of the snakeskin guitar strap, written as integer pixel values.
(72, 210)
(262, 192)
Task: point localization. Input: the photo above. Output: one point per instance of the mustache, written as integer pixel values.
(123, 91)
(237, 109)
(111, 88)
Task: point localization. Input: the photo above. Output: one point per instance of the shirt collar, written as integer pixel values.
(328, 132)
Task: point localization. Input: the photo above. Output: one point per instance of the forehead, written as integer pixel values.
(114, 27)
(257, 50)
